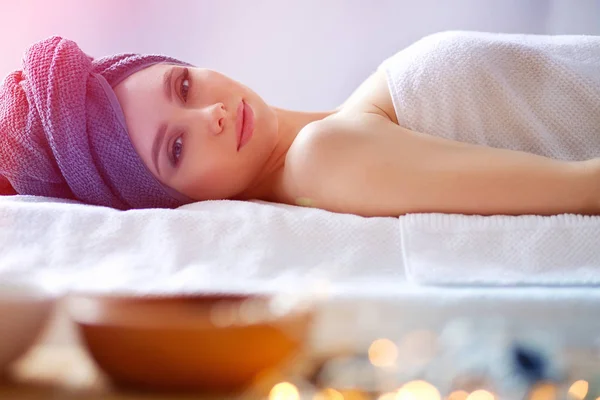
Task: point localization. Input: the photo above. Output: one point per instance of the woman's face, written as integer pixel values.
(198, 131)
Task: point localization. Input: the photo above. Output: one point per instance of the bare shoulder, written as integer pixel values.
(372, 96)
(320, 140)
(327, 160)
(310, 155)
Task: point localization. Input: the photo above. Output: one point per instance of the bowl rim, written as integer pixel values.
(134, 311)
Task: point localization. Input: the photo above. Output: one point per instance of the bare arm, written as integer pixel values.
(371, 166)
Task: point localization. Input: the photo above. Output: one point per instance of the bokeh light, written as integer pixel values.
(328, 394)
(481, 395)
(284, 391)
(544, 391)
(224, 314)
(353, 394)
(252, 311)
(418, 347)
(458, 395)
(578, 390)
(383, 353)
(418, 390)
(405, 395)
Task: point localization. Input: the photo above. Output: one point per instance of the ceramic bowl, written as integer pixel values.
(24, 311)
(214, 343)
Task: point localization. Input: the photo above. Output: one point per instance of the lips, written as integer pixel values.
(244, 124)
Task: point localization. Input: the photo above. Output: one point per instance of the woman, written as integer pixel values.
(459, 122)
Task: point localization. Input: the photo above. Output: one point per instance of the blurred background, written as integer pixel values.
(299, 54)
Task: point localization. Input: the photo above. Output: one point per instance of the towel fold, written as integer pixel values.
(452, 249)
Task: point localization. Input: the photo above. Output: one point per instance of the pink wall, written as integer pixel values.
(305, 54)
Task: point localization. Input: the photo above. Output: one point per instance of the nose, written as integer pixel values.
(216, 117)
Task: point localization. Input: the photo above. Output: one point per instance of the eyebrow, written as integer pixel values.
(162, 129)
(167, 83)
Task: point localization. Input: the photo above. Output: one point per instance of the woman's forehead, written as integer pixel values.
(147, 79)
(144, 104)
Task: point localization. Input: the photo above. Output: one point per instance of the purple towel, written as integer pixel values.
(63, 132)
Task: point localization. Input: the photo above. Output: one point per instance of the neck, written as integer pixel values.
(290, 125)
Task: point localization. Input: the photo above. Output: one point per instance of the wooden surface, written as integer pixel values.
(65, 372)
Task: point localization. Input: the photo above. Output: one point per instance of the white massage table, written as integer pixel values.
(357, 263)
(364, 274)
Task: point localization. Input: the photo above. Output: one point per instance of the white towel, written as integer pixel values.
(539, 94)
(208, 246)
(445, 249)
(533, 93)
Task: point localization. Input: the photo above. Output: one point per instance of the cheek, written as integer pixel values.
(211, 179)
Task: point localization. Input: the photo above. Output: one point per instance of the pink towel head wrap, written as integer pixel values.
(63, 132)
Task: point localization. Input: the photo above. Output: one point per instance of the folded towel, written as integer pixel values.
(446, 249)
(207, 246)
